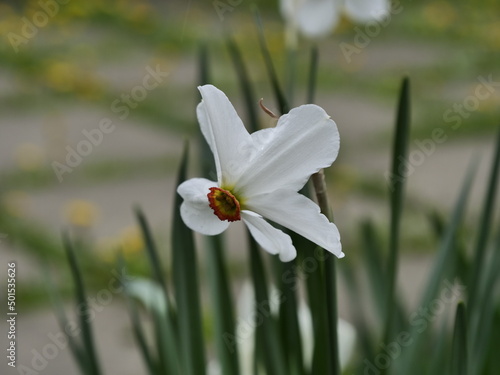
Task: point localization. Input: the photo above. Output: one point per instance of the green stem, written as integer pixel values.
(330, 279)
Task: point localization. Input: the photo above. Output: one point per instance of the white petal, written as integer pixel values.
(367, 10)
(300, 214)
(195, 210)
(149, 293)
(316, 18)
(224, 131)
(246, 332)
(347, 340)
(268, 237)
(261, 138)
(306, 332)
(195, 190)
(303, 142)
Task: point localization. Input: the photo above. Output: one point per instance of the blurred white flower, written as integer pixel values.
(259, 176)
(313, 18)
(316, 18)
(345, 331)
(246, 326)
(367, 10)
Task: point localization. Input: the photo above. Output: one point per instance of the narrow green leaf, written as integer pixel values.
(167, 344)
(286, 281)
(152, 297)
(245, 85)
(372, 257)
(267, 332)
(166, 334)
(493, 359)
(364, 330)
(437, 224)
(76, 348)
(329, 280)
(445, 258)
(397, 183)
(462, 264)
(154, 259)
(139, 336)
(315, 292)
(485, 223)
(186, 287)
(290, 74)
(81, 299)
(222, 302)
(440, 350)
(459, 353)
(482, 321)
(308, 252)
(137, 329)
(278, 92)
(332, 313)
(442, 270)
(313, 75)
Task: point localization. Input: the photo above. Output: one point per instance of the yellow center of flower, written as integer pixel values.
(224, 204)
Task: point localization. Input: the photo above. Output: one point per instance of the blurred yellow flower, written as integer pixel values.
(64, 76)
(81, 213)
(440, 14)
(60, 75)
(131, 240)
(128, 242)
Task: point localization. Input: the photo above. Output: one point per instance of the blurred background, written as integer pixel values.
(97, 98)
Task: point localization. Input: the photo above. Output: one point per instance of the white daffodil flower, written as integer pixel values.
(316, 18)
(259, 176)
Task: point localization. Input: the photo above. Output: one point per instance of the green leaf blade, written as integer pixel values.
(267, 342)
(225, 330)
(397, 184)
(273, 77)
(186, 287)
(485, 223)
(459, 361)
(81, 297)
